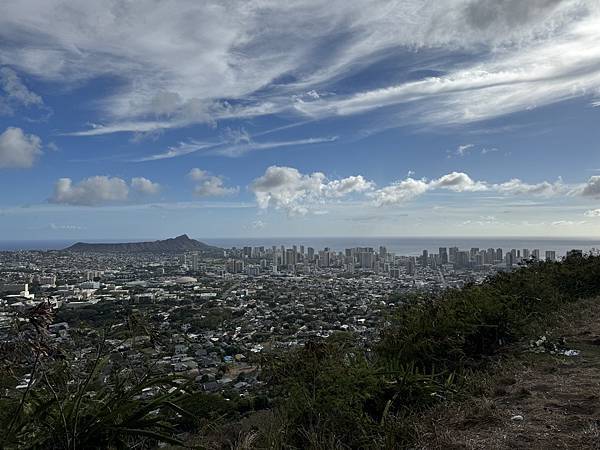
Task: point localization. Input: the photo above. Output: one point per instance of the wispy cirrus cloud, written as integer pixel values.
(230, 149)
(181, 149)
(218, 60)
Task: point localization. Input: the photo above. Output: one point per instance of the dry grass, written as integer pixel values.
(558, 397)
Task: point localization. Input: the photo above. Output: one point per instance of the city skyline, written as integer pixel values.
(259, 119)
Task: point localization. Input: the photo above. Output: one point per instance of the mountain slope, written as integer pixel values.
(173, 245)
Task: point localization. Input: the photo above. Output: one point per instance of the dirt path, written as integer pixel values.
(557, 398)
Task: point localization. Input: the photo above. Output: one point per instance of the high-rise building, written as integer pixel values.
(462, 259)
(490, 256)
(311, 254)
(473, 253)
(499, 256)
(535, 254)
(443, 252)
(480, 258)
(526, 253)
(510, 259)
(290, 257)
(411, 265)
(452, 254)
(195, 261)
(366, 260)
(550, 255)
(425, 258)
(234, 266)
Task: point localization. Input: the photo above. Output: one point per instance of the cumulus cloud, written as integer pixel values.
(208, 185)
(591, 188)
(410, 188)
(287, 189)
(345, 186)
(145, 186)
(201, 59)
(400, 192)
(17, 149)
(519, 187)
(458, 182)
(99, 190)
(90, 191)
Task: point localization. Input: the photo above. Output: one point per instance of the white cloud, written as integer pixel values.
(410, 188)
(462, 150)
(458, 182)
(17, 149)
(518, 187)
(183, 148)
(213, 187)
(90, 191)
(15, 92)
(592, 213)
(486, 150)
(99, 190)
(400, 192)
(145, 186)
(236, 146)
(240, 149)
(208, 185)
(287, 189)
(55, 227)
(188, 62)
(198, 174)
(591, 188)
(567, 223)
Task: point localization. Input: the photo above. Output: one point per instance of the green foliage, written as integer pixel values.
(338, 394)
(77, 409)
(325, 387)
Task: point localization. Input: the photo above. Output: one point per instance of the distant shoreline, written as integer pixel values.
(399, 245)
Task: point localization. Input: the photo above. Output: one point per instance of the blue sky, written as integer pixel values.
(149, 119)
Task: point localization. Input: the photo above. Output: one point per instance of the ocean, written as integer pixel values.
(412, 246)
(400, 245)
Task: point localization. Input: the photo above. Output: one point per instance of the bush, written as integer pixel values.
(336, 394)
